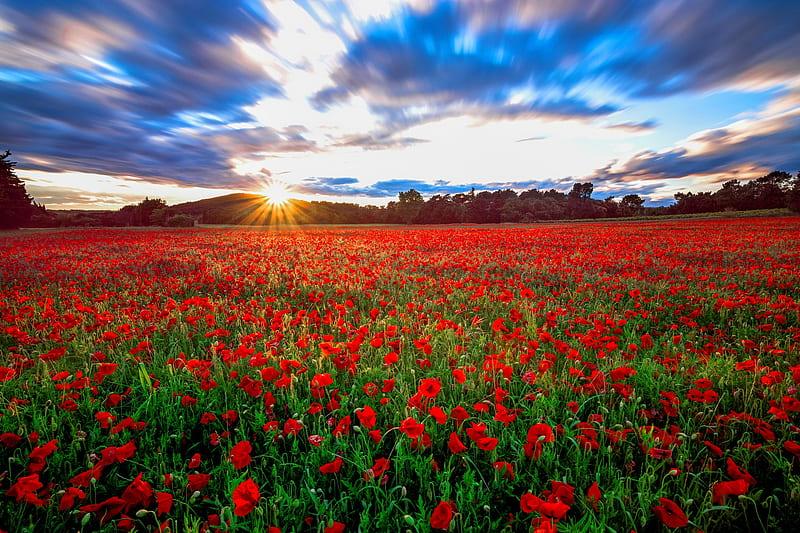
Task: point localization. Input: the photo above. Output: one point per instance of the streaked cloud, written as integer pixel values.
(441, 96)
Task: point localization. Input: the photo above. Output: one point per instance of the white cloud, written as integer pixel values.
(81, 190)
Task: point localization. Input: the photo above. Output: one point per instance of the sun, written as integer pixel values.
(277, 193)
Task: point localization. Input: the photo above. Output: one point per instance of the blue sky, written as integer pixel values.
(105, 102)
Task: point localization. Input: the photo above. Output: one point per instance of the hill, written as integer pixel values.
(255, 209)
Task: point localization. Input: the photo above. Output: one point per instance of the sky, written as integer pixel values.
(105, 102)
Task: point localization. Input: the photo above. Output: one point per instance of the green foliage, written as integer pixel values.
(180, 221)
(16, 207)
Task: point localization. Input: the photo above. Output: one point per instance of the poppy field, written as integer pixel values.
(636, 376)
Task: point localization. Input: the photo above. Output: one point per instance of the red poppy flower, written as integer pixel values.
(455, 444)
(39, 455)
(69, 497)
(442, 516)
(713, 448)
(321, 380)
(375, 435)
(10, 440)
(333, 467)
(506, 468)
(530, 503)
(195, 461)
(105, 419)
(240, 454)
(593, 495)
(379, 467)
(555, 510)
(561, 492)
(723, 489)
(366, 416)
(138, 494)
(84, 479)
(438, 415)
(336, 527)
(198, 481)
(477, 430)
(164, 503)
(292, 426)
(792, 447)
(486, 443)
(429, 387)
(670, 513)
(342, 428)
(118, 454)
(411, 428)
(25, 489)
(245, 497)
(459, 414)
(737, 473)
(106, 510)
(104, 370)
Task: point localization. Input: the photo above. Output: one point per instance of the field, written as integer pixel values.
(633, 376)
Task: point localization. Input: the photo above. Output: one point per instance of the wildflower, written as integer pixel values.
(240, 454)
(670, 513)
(723, 489)
(245, 497)
(442, 516)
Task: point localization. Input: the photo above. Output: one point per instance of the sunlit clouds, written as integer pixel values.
(349, 100)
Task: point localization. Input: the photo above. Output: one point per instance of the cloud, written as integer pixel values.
(432, 59)
(754, 145)
(190, 92)
(111, 87)
(635, 127)
(391, 188)
(378, 141)
(522, 59)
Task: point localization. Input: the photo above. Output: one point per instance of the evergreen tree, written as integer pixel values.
(16, 207)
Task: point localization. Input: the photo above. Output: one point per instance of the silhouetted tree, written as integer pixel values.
(632, 204)
(689, 202)
(16, 207)
(579, 203)
(405, 211)
(139, 214)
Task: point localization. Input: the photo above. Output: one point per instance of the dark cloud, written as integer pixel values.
(478, 54)
(432, 59)
(159, 63)
(767, 144)
(250, 142)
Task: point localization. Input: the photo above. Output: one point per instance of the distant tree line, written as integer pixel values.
(775, 190)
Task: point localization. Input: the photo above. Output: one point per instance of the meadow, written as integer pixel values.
(634, 376)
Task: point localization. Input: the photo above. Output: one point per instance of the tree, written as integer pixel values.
(581, 191)
(16, 207)
(579, 203)
(405, 211)
(139, 214)
(632, 204)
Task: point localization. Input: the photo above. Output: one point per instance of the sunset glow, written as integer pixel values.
(277, 193)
